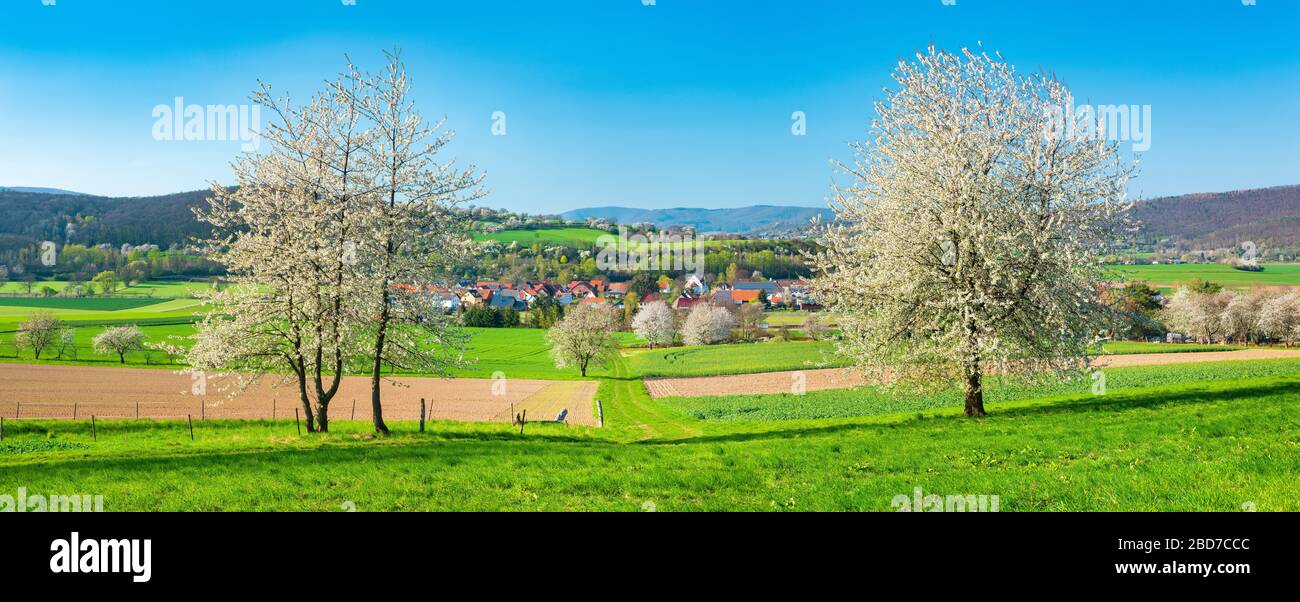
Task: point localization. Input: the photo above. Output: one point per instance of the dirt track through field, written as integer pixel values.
(50, 391)
(843, 378)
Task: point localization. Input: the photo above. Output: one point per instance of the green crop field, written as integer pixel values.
(76, 303)
(735, 358)
(1168, 276)
(516, 353)
(571, 237)
(774, 356)
(166, 289)
(872, 401)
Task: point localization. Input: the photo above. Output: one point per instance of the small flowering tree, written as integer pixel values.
(972, 234)
(585, 337)
(1240, 317)
(708, 324)
(1197, 314)
(1279, 317)
(38, 331)
(120, 340)
(655, 323)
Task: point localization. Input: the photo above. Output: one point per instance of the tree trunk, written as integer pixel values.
(974, 390)
(322, 418)
(306, 405)
(376, 407)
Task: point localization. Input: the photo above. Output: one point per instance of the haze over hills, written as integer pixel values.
(38, 190)
(1269, 217)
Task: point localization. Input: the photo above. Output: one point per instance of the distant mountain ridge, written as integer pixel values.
(39, 190)
(754, 220)
(1269, 217)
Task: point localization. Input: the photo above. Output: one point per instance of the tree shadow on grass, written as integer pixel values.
(1115, 403)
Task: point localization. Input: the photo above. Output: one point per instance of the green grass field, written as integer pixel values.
(77, 303)
(1205, 446)
(580, 238)
(1170, 276)
(735, 358)
(165, 289)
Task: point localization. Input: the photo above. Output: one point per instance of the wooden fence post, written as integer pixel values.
(94, 433)
(272, 408)
(137, 410)
(74, 410)
(2, 428)
(421, 414)
(190, 419)
(354, 408)
(203, 409)
(18, 409)
(523, 420)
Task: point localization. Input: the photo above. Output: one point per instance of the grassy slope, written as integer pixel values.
(737, 358)
(1192, 447)
(572, 237)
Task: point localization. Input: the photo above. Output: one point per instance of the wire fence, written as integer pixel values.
(359, 409)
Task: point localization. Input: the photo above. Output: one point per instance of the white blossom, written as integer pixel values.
(970, 238)
(655, 323)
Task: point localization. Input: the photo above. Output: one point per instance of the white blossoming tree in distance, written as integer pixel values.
(656, 324)
(38, 331)
(970, 238)
(119, 340)
(707, 324)
(585, 337)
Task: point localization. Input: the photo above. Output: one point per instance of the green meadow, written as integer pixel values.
(548, 237)
(1212, 446)
(1171, 276)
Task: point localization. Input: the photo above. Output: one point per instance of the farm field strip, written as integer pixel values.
(575, 396)
(51, 391)
(843, 378)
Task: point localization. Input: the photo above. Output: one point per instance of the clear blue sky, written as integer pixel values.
(609, 102)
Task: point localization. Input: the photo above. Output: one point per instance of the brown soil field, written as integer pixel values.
(41, 391)
(843, 378)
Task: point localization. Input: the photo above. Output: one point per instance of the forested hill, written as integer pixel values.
(161, 220)
(1269, 217)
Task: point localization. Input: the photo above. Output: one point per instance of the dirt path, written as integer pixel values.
(51, 391)
(842, 378)
(546, 404)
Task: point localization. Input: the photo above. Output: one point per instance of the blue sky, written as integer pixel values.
(610, 102)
